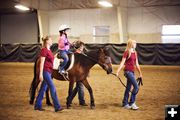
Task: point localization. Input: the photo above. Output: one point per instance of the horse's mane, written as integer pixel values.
(87, 57)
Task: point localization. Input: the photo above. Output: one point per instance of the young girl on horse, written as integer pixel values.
(130, 59)
(63, 46)
(45, 71)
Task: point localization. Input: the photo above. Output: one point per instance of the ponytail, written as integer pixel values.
(45, 40)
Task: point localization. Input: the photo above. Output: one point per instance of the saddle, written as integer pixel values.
(58, 60)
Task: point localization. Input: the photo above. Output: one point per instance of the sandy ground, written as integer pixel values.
(161, 87)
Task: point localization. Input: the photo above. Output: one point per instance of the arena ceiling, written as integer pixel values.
(7, 6)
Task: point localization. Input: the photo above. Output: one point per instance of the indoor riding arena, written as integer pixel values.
(154, 25)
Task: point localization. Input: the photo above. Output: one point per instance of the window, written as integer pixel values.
(101, 34)
(170, 34)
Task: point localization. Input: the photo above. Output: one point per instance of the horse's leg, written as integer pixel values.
(69, 98)
(86, 84)
(48, 102)
(74, 92)
(34, 83)
(32, 90)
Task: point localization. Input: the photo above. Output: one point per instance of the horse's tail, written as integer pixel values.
(35, 82)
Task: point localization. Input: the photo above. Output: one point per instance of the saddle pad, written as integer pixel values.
(57, 63)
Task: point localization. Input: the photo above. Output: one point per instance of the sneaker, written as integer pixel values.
(61, 72)
(127, 106)
(59, 110)
(134, 106)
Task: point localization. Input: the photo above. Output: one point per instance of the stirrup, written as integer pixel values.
(66, 76)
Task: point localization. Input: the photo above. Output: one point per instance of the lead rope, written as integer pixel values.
(139, 80)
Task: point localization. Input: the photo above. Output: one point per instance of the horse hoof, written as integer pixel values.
(92, 107)
(31, 102)
(68, 106)
(49, 104)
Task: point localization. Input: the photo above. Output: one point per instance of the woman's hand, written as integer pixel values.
(140, 75)
(56, 55)
(120, 66)
(117, 74)
(41, 78)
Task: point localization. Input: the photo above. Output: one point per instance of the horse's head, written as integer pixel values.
(104, 60)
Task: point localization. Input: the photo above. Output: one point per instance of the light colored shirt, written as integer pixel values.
(63, 43)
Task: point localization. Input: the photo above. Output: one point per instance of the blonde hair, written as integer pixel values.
(45, 39)
(129, 46)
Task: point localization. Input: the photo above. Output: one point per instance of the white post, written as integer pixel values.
(40, 25)
(122, 23)
(43, 20)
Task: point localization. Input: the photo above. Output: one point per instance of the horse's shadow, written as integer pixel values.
(99, 106)
(107, 105)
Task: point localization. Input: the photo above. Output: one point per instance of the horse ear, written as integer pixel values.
(101, 49)
(106, 49)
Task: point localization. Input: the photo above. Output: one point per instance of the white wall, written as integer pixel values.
(145, 23)
(82, 21)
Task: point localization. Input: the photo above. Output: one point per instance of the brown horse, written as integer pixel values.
(79, 72)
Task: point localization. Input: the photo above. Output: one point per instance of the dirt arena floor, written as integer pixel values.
(161, 87)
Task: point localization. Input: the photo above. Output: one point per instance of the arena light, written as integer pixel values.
(22, 7)
(105, 3)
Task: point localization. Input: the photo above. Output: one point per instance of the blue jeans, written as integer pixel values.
(64, 56)
(80, 89)
(47, 82)
(131, 81)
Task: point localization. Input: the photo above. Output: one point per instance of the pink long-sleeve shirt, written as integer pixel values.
(63, 43)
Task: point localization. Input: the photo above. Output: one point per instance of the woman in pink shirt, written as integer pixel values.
(130, 59)
(63, 46)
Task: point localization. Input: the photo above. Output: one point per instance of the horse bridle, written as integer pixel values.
(139, 81)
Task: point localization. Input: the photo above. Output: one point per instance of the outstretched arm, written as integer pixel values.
(42, 60)
(138, 67)
(121, 65)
